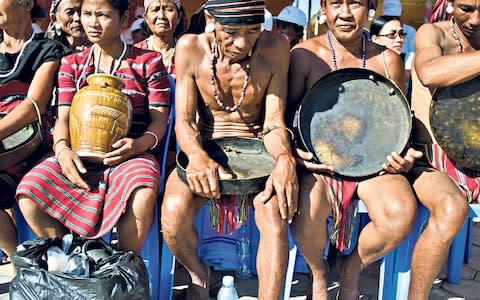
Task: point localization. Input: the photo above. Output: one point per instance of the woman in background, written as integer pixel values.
(28, 66)
(388, 31)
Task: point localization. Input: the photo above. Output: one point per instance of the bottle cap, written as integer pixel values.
(228, 280)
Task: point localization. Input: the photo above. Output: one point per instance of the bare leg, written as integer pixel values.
(272, 255)
(448, 210)
(8, 233)
(40, 223)
(310, 232)
(179, 209)
(392, 209)
(134, 225)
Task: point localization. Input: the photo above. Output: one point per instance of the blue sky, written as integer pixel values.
(303, 5)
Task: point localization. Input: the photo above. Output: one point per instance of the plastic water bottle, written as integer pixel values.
(243, 253)
(227, 291)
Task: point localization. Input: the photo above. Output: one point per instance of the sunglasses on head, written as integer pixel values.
(392, 35)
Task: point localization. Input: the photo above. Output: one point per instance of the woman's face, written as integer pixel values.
(391, 36)
(102, 22)
(162, 17)
(11, 12)
(68, 16)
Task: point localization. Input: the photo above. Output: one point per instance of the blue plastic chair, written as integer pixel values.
(461, 248)
(226, 260)
(394, 278)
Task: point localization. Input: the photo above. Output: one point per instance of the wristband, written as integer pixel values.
(155, 136)
(270, 129)
(285, 153)
(57, 155)
(57, 142)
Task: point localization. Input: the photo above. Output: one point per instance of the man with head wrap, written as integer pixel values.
(233, 77)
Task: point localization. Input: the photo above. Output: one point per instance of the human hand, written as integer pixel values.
(305, 159)
(397, 164)
(71, 165)
(123, 149)
(283, 181)
(203, 175)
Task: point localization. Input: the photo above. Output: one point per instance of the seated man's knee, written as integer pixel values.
(268, 218)
(400, 216)
(450, 212)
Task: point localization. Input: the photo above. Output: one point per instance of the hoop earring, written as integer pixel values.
(449, 9)
(322, 19)
(209, 28)
(371, 14)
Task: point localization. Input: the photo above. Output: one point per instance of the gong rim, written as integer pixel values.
(372, 89)
(453, 117)
(240, 185)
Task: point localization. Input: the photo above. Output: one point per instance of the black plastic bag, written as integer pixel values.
(114, 274)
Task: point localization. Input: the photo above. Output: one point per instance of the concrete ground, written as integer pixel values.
(469, 287)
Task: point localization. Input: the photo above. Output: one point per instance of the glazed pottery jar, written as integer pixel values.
(100, 115)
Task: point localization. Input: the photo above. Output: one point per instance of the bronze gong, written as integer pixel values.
(455, 122)
(245, 158)
(351, 119)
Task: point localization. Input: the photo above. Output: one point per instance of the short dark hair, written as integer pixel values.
(379, 22)
(120, 5)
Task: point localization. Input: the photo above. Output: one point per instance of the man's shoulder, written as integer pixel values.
(191, 42)
(310, 49)
(429, 28)
(272, 42)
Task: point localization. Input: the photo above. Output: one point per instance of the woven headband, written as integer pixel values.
(237, 12)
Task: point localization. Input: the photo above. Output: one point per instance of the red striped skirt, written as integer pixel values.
(344, 209)
(468, 181)
(89, 213)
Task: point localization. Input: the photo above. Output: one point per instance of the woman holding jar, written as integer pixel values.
(59, 195)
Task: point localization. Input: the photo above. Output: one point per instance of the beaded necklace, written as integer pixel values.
(334, 56)
(455, 36)
(213, 81)
(116, 65)
(117, 62)
(19, 56)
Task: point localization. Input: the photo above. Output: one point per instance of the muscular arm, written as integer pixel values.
(297, 82)
(434, 68)
(278, 141)
(188, 136)
(41, 90)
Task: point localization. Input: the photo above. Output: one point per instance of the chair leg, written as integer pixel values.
(292, 255)
(456, 254)
(167, 273)
(150, 256)
(395, 269)
(23, 230)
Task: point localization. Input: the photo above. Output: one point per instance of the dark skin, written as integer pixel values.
(438, 63)
(389, 198)
(263, 107)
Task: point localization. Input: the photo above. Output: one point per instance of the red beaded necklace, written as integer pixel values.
(213, 81)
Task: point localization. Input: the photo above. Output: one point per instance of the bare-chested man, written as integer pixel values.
(389, 198)
(446, 53)
(234, 77)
